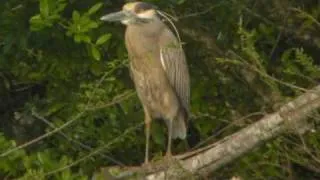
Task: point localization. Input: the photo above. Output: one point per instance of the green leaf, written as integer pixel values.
(60, 7)
(53, 108)
(96, 68)
(35, 76)
(102, 39)
(77, 38)
(82, 38)
(95, 52)
(54, 17)
(92, 25)
(86, 38)
(75, 16)
(95, 8)
(44, 8)
(36, 23)
(181, 2)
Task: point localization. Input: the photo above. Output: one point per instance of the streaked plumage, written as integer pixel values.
(158, 68)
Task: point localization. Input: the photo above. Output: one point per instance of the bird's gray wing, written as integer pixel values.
(174, 63)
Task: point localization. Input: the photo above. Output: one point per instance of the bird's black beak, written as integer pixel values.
(116, 16)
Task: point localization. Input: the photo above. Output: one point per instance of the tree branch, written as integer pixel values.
(290, 117)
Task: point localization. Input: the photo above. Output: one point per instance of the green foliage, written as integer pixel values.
(34, 165)
(62, 67)
(49, 14)
(299, 65)
(9, 165)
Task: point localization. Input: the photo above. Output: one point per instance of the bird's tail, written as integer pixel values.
(179, 126)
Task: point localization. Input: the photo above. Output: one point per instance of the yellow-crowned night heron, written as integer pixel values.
(158, 68)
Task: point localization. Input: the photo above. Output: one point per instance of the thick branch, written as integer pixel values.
(291, 116)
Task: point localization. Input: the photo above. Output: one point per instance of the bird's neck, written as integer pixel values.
(152, 29)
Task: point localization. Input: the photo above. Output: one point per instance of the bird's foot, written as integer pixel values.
(168, 155)
(146, 165)
(168, 158)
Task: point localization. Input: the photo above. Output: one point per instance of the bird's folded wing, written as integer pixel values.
(175, 65)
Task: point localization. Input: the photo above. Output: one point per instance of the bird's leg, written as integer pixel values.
(169, 154)
(147, 131)
(147, 121)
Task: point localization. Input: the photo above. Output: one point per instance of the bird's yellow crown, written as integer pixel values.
(130, 6)
(140, 8)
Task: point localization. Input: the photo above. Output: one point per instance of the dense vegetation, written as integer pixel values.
(63, 72)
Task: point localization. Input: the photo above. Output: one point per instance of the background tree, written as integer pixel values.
(61, 67)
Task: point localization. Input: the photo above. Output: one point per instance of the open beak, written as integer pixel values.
(116, 16)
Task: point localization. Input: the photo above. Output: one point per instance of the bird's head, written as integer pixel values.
(133, 13)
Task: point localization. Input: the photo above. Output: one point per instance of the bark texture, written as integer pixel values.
(291, 117)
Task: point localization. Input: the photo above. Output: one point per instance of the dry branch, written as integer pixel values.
(291, 116)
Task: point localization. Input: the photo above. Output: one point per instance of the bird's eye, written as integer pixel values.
(138, 10)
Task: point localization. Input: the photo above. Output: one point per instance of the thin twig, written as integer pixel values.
(307, 15)
(245, 63)
(129, 130)
(117, 99)
(84, 146)
(39, 138)
(201, 12)
(259, 16)
(227, 127)
(276, 44)
(42, 136)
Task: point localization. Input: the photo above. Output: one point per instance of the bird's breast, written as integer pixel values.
(154, 91)
(150, 79)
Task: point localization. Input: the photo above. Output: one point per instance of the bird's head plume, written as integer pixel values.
(138, 13)
(133, 13)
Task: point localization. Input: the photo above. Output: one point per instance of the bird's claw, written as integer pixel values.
(168, 158)
(146, 165)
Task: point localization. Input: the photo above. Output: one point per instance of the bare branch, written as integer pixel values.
(70, 139)
(42, 136)
(290, 118)
(96, 151)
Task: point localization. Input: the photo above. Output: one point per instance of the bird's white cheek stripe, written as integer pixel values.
(125, 22)
(162, 60)
(148, 14)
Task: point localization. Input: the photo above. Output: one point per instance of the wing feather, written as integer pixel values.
(175, 65)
